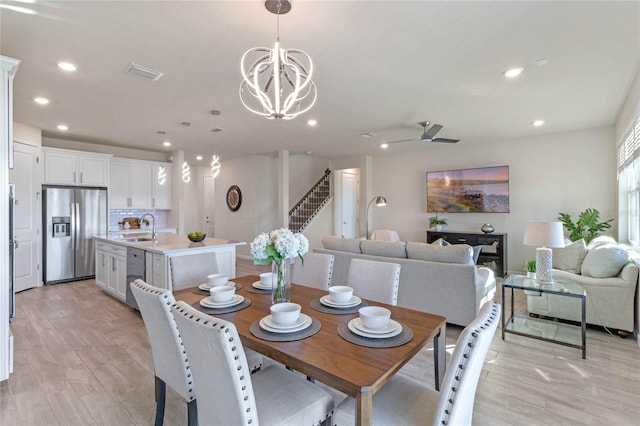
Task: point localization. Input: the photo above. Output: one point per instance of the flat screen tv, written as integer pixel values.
(479, 190)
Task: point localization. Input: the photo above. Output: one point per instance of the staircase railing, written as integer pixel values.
(305, 210)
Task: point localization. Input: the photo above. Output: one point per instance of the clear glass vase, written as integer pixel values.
(281, 282)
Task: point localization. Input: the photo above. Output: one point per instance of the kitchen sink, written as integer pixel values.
(137, 239)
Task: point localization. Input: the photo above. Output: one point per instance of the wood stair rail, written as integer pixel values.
(305, 210)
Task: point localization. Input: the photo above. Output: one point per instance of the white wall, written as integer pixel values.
(304, 172)
(564, 172)
(27, 134)
(629, 108)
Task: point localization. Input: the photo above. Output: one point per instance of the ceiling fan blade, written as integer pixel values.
(445, 140)
(403, 140)
(429, 134)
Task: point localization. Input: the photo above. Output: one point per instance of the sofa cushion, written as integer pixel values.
(441, 242)
(351, 245)
(604, 261)
(570, 257)
(601, 240)
(384, 248)
(457, 253)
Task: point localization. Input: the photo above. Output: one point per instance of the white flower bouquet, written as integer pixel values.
(277, 245)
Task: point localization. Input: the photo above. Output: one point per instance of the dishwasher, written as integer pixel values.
(135, 270)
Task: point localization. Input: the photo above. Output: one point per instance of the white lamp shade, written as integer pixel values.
(544, 234)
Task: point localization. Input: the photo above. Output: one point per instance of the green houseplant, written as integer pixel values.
(435, 222)
(588, 225)
(530, 267)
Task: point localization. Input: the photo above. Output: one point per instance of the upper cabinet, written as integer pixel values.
(138, 184)
(67, 167)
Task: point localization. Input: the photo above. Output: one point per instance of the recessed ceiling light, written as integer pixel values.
(63, 127)
(41, 101)
(384, 145)
(67, 66)
(538, 123)
(199, 157)
(312, 122)
(166, 143)
(513, 72)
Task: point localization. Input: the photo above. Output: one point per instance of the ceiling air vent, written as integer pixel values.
(143, 72)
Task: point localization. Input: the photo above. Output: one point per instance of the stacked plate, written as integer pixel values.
(327, 301)
(208, 302)
(392, 329)
(260, 286)
(268, 324)
(207, 286)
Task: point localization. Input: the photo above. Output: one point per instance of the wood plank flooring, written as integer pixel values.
(83, 358)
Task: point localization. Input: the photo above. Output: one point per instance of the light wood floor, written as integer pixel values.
(83, 358)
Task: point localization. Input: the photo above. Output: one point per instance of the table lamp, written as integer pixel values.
(380, 202)
(544, 236)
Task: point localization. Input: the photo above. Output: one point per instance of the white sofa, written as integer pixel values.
(609, 277)
(433, 278)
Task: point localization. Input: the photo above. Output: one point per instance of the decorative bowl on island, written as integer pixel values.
(196, 237)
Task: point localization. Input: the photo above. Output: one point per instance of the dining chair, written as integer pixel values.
(406, 401)
(229, 394)
(314, 272)
(374, 280)
(192, 269)
(170, 362)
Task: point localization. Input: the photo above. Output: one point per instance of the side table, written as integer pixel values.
(541, 329)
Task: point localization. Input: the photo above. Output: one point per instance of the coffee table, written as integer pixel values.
(538, 328)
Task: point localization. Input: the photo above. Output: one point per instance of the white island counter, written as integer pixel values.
(111, 258)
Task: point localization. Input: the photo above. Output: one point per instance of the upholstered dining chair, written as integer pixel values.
(374, 280)
(192, 269)
(228, 394)
(170, 362)
(406, 401)
(314, 272)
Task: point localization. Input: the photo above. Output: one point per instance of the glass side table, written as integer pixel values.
(542, 329)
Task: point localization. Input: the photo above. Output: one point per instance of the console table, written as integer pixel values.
(478, 239)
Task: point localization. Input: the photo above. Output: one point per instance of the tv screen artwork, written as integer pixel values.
(481, 190)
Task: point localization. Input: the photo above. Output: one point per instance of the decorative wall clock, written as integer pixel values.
(234, 198)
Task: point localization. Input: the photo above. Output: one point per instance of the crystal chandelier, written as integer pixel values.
(277, 82)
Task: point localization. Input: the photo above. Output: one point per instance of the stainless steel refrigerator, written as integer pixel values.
(71, 217)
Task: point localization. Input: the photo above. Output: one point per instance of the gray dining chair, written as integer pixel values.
(314, 272)
(192, 269)
(406, 401)
(229, 395)
(170, 362)
(374, 280)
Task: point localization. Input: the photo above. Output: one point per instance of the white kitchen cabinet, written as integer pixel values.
(111, 269)
(67, 167)
(130, 184)
(101, 264)
(156, 269)
(162, 193)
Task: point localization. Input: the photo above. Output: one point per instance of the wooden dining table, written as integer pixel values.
(355, 370)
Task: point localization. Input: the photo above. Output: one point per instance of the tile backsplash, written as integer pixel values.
(116, 216)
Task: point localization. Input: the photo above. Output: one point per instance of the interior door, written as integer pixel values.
(209, 204)
(350, 183)
(26, 176)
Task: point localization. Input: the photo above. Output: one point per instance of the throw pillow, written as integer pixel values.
(604, 261)
(456, 253)
(602, 240)
(384, 248)
(441, 242)
(351, 245)
(570, 257)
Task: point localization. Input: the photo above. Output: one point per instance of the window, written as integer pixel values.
(629, 183)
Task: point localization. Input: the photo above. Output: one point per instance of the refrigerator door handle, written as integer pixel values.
(78, 224)
(73, 226)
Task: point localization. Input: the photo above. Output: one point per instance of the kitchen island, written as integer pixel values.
(112, 264)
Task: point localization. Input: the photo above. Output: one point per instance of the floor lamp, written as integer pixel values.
(380, 202)
(544, 235)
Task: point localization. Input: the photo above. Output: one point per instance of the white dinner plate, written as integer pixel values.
(208, 302)
(258, 285)
(389, 328)
(372, 335)
(267, 323)
(326, 300)
(207, 287)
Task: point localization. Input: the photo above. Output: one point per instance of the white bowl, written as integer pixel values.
(285, 313)
(267, 279)
(374, 317)
(215, 280)
(340, 293)
(222, 293)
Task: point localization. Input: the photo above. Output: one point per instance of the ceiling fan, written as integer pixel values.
(428, 135)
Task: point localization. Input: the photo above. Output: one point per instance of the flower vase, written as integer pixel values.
(281, 281)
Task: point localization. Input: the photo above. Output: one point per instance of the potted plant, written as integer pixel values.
(587, 226)
(437, 223)
(530, 267)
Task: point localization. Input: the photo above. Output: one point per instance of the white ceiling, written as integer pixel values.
(380, 67)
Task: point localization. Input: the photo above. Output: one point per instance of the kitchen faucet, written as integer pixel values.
(154, 234)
